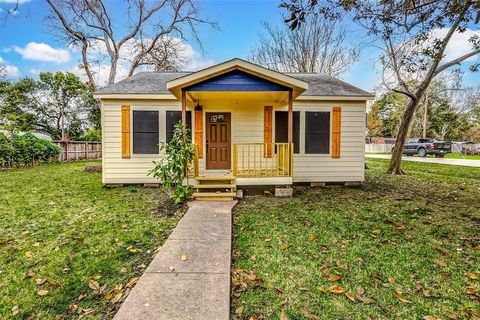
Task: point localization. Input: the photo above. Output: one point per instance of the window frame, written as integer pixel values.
(316, 154)
(132, 134)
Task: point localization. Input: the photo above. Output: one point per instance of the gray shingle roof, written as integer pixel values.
(156, 83)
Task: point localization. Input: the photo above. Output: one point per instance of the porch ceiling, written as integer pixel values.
(274, 98)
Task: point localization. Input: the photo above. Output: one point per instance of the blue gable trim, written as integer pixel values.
(236, 80)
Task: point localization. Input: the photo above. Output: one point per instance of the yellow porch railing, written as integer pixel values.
(257, 159)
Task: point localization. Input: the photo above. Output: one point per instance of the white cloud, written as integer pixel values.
(458, 44)
(11, 71)
(43, 52)
(2, 60)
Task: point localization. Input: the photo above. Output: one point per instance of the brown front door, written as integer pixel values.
(218, 140)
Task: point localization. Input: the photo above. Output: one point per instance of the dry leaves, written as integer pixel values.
(94, 285)
(431, 318)
(29, 254)
(284, 246)
(239, 311)
(350, 296)
(132, 282)
(283, 316)
(307, 314)
(40, 282)
(42, 293)
(15, 310)
(184, 257)
(334, 277)
(400, 297)
(336, 289)
(440, 262)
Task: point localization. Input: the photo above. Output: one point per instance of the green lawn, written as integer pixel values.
(66, 242)
(399, 247)
(466, 157)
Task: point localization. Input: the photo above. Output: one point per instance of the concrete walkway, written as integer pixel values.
(198, 251)
(455, 162)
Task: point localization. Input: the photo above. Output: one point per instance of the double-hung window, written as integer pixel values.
(317, 132)
(145, 132)
(173, 117)
(281, 128)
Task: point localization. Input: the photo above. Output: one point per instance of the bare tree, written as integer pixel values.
(146, 26)
(414, 36)
(319, 45)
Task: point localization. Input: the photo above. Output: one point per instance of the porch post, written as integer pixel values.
(290, 132)
(290, 117)
(184, 114)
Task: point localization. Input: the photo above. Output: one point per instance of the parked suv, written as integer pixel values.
(424, 147)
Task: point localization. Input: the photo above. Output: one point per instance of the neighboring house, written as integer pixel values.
(260, 126)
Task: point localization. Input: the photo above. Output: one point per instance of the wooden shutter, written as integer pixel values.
(198, 139)
(126, 132)
(267, 130)
(336, 121)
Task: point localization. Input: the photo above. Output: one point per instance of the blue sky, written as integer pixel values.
(240, 24)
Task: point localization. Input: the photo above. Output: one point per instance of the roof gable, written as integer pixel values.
(236, 80)
(296, 85)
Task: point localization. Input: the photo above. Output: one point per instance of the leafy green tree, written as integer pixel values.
(410, 33)
(57, 104)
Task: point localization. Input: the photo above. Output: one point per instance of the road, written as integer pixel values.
(454, 162)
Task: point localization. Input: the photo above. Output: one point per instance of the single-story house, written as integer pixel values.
(251, 125)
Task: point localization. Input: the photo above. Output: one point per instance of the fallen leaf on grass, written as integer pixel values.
(87, 312)
(94, 285)
(431, 318)
(360, 290)
(471, 291)
(42, 293)
(440, 262)
(283, 316)
(117, 297)
(54, 284)
(376, 232)
(472, 276)
(184, 257)
(336, 289)
(365, 300)
(307, 314)
(133, 250)
(312, 238)
(350, 296)
(29, 254)
(334, 277)
(239, 311)
(342, 265)
(400, 297)
(15, 310)
(284, 246)
(322, 289)
(40, 282)
(132, 282)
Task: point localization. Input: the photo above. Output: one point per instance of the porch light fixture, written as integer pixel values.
(198, 107)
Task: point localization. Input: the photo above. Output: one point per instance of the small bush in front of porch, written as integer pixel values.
(171, 169)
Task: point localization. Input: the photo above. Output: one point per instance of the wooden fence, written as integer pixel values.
(79, 150)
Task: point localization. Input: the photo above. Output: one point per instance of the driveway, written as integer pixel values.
(455, 162)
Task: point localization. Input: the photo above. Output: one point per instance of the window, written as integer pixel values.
(145, 132)
(317, 132)
(281, 128)
(173, 117)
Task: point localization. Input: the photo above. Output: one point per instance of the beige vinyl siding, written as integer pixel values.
(135, 169)
(322, 167)
(246, 126)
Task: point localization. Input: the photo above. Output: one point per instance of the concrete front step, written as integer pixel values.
(216, 178)
(214, 196)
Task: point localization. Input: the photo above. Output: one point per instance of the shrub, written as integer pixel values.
(23, 150)
(171, 169)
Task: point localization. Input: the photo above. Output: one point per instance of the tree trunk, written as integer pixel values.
(425, 116)
(113, 69)
(91, 81)
(396, 160)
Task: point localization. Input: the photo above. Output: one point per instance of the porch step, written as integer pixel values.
(215, 178)
(214, 186)
(214, 196)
